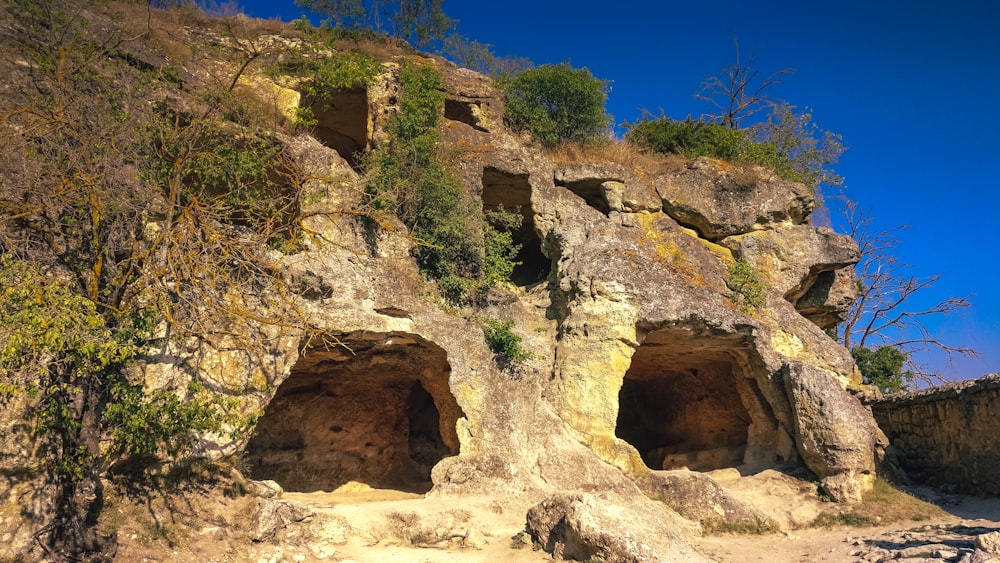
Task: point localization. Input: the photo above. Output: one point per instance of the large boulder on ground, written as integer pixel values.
(836, 436)
(588, 527)
(696, 496)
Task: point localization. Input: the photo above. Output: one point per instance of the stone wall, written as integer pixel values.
(947, 436)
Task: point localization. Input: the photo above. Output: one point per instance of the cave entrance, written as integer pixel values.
(688, 400)
(342, 122)
(512, 192)
(376, 409)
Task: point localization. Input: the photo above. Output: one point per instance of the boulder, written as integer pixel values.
(830, 298)
(587, 527)
(835, 435)
(718, 199)
(696, 496)
(790, 257)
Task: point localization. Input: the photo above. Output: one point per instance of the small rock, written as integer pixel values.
(474, 539)
(990, 543)
(264, 489)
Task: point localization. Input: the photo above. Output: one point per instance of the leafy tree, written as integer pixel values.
(883, 368)
(557, 103)
(417, 21)
(786, 141)
(471, 54)
(884, 313)
(124, 225)
(810, 151)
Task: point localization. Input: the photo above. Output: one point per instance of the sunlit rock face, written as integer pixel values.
(641, 361)
(367, 410)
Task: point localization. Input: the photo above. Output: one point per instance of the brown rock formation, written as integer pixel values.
(642, 364)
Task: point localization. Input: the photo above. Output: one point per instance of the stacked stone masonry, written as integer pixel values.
(947, 436)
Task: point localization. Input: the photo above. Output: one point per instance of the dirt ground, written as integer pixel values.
(361, 524)
(964, 518)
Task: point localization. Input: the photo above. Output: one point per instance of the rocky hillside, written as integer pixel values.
(663, 320)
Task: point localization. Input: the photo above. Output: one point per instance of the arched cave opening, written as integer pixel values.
(342, 122)
(512, 192)
(375, 409)
(689, 400)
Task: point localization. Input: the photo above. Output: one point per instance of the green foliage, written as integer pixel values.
(694, 138)
(409, 178)
(804, 148)
(328, 72)
(416, 21)
(323, 72)
(231, 176)
(883, 367)
(506, 345)
(500, 252)
(746, 288)
(56, 342)
(557, 103)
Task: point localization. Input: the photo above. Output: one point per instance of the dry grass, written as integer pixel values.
(617, 152)
(884, 504)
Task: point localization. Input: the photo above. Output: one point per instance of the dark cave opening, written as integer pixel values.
(512, 192)
(592, 191)
(464, 112)
(342, 123)
(377, 411)
(683, 403)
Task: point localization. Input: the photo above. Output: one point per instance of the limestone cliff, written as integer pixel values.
(643, 367)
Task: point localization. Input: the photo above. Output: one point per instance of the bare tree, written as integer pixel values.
(882, 316)
(738, 92)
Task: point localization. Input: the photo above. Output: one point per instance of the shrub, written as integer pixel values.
(324, 72)
(57, 348)
(557, 103)
(746, 287)
(408, 177)
(694, 138)
(506, 345)
(882, 367)
(500, 252)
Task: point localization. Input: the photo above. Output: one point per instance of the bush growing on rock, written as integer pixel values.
(693, 138)
(556, 103)
(745, 285)
(408, 177)
(506, 345)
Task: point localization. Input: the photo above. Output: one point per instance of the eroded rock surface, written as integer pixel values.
(640, 359)
(587, 527)
(718, 199)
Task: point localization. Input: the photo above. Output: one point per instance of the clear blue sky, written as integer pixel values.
(913, 87)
